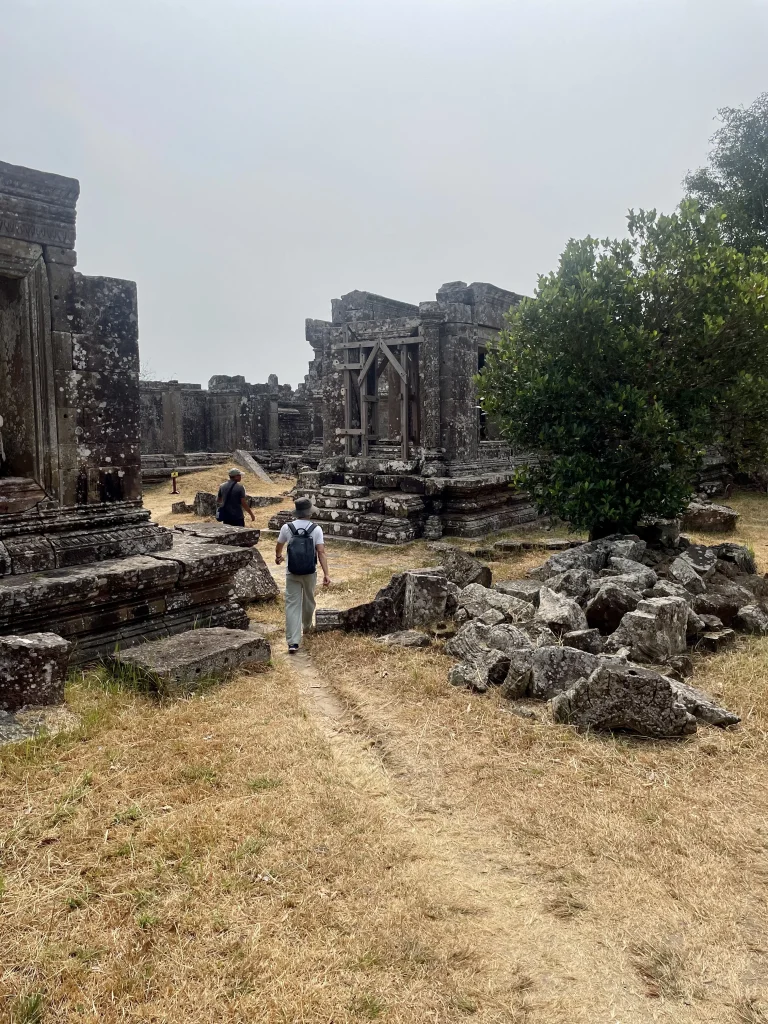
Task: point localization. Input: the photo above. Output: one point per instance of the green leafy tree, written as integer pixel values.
(632, 358)
(736, 179)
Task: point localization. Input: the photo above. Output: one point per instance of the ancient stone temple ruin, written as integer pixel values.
(407, 452)
(78, 555)
(181, 424)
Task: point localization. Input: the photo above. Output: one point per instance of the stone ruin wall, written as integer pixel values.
(231, 414)
(69, 347)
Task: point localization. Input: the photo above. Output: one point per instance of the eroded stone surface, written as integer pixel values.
(617, 696)
(405, 638)
(33, 668)
(610, 604)
(654, 632)
(477, 599)
(254, 582)
(554, 669)
(710, 518)
(424, 599)
(561, 614)
(197, 655)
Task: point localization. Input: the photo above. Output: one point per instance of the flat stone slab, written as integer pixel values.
(221, 533)
(33, 668)
(343, 491)
(405, 638)
(198, 654)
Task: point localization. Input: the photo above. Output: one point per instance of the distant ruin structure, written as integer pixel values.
(407, 451)
(179, 418)
(78, 555)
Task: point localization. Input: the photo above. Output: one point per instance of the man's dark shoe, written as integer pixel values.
(292, 648)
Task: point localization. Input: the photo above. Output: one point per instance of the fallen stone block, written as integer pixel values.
(628, 546)
(752, 619)
(562, 614)
(702, 560)
(188, 658)
(588, 640)
(506, 637)
(254, 582)
(491, 617)
(573, 583)
(609, 605)
(668, 588)
(327, 619)
(554, 669)
(709, 518)
(378, 616)
(477, 599)
(655, 631)
(722, 598)
(523, 590)
(738, 554)
(489, 668)
(33, 668)
(681, 571)
(470, 641)
(405, 638)
(182, 508)
(538, 633)
(627, 567)
(620, 696)
(716, 641)
(702, 706)
(424, 598)
(662, 532)
(205, 503)
(507, 547)
(518, 679)
(461, 569)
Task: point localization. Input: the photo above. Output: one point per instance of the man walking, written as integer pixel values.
(305, 546)
(232, 502)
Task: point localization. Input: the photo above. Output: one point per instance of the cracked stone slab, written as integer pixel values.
(626, 697)
(188, 658)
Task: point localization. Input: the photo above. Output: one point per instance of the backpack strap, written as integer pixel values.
(310, 528)
(293, 529)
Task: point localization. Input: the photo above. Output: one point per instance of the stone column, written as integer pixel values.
(429, 373)
(273, 428)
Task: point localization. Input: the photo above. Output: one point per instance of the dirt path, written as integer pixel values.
(562, 973)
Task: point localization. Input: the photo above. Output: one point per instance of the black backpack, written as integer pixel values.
(302, 557)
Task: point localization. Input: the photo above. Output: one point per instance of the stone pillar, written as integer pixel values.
(273, 435)
(459, 419)
(429, 374)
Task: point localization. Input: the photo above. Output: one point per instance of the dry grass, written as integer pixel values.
(428, 856)
(158, 497)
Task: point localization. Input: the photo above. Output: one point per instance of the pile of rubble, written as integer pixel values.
(581, 630)
(601, 630)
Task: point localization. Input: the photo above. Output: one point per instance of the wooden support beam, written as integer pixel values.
(404, 405)
(394, 360)
(367, 364)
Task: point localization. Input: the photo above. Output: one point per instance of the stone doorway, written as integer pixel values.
(28, 455)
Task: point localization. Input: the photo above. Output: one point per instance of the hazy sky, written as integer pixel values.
(245, 161)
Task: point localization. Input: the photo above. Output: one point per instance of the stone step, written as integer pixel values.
(330, 503)
(185, 660)
(343, 491)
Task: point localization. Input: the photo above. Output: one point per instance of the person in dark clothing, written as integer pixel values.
(232, 502)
